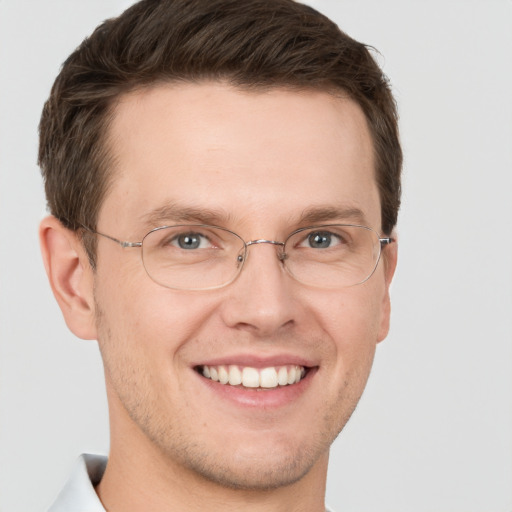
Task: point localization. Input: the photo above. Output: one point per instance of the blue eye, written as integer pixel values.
(190, 241)
(322, 240)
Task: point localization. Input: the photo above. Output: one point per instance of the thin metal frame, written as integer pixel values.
(282, 255)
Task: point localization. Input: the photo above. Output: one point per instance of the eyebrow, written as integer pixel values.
(315, 215)
(175, 213)
(172, 212)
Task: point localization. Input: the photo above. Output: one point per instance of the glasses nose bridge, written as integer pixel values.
(263, 241)
(275, 243)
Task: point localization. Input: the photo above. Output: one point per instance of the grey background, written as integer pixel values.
(434, 429)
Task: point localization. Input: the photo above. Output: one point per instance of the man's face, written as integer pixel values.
(256, 162)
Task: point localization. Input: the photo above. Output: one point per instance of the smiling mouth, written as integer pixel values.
(254, 378)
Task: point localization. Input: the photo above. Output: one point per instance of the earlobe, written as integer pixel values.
(70, 276)
(389, 261)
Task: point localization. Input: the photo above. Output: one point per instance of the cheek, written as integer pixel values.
(146, 319)
(351, 315)
(351, 322)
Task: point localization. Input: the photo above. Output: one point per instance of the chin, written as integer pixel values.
(267, 471)
(256, 461)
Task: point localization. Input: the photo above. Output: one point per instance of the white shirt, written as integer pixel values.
(78, 495)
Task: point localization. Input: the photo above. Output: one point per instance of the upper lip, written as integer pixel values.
(257, 360)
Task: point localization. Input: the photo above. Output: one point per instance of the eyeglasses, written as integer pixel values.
(202, 257)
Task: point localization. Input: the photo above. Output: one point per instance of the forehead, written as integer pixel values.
(247, 155)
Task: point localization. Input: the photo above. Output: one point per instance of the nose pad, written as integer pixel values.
(243, 255)
(240, 259)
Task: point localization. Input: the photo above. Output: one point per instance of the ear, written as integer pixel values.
(70, 275)
(389, 261)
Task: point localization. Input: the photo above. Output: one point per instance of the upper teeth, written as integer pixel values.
(249, 377)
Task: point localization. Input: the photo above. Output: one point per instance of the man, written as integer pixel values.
(224, 180)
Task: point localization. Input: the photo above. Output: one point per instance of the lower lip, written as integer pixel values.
(260, 397)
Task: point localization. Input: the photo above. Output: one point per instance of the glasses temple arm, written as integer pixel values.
(120, 242)
(387, 241)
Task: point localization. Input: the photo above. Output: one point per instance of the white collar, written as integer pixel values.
(78, 495)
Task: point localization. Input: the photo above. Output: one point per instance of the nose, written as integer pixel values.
(261, 299)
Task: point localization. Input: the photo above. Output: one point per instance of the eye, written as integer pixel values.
(189, 241)
(321, 240)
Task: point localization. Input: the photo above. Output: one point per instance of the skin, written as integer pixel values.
(259, 159)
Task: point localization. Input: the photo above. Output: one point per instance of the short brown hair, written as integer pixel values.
(250, 44)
